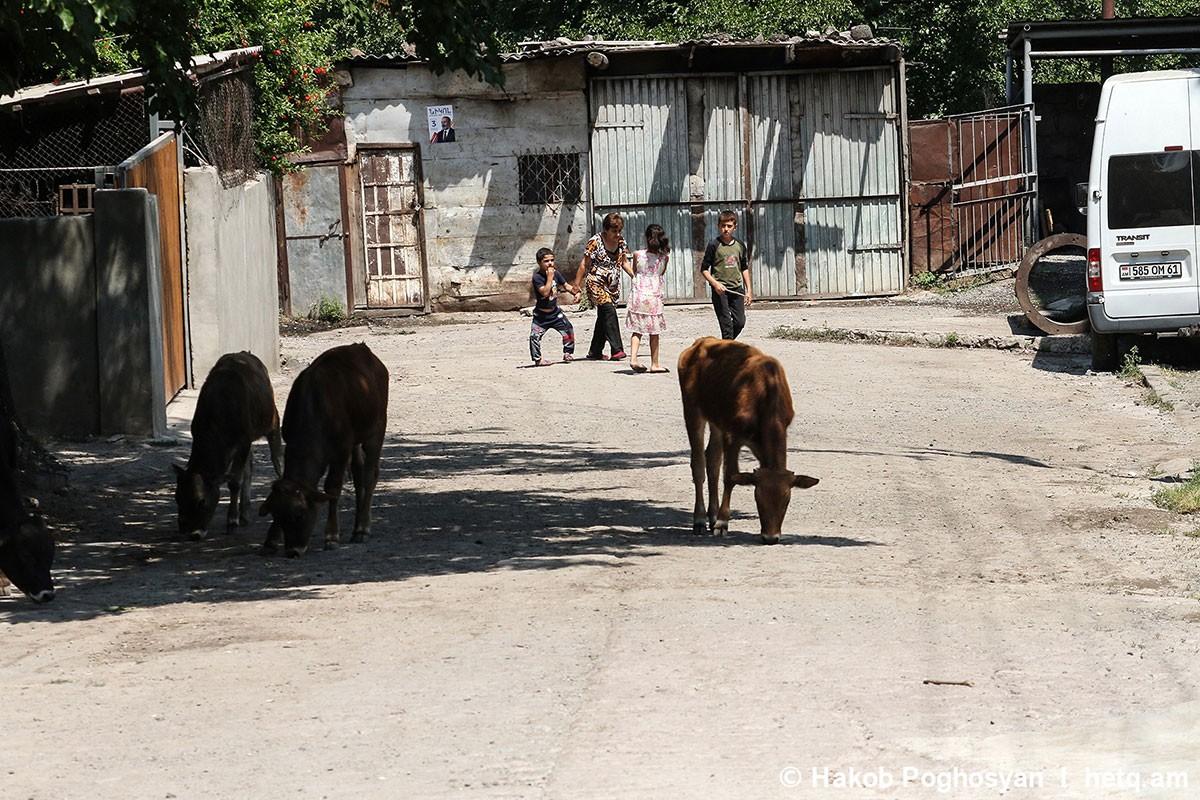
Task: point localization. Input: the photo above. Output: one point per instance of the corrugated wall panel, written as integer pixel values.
(770, 137)
(773, 256)
(853, 247)
(849, 129)
(639, 141)
(829, 139)
(849, 132)
(721, 164)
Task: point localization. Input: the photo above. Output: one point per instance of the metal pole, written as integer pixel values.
(1008, 76)
(1027, 73)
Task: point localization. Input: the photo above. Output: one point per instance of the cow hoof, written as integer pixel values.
(197, 536)
(332, 544)
(359, 536)
(294, 552)
(700, 528)
(720, 527)
(770, 540)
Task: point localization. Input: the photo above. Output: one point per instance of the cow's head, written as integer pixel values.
(294, 508)
(772, 493)
(26, 555)
(196, 497)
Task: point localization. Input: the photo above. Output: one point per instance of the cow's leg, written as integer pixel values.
(333, 488)
(274, 539)
(366, 464)
(712, 455)
(275, 442)
(247, 480)
(239, 490)
(731, 448)
(695, 430)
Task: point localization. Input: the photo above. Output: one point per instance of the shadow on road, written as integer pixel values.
(119, 548)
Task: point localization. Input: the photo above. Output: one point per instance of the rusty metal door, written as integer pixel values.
(314, 233)
(157, 168)
(392, 228)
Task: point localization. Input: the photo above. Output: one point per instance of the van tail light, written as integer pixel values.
(1095, 281)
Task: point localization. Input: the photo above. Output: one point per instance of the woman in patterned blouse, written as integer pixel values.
(600, 276)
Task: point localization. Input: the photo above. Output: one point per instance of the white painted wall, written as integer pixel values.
(233, 288)
(480, 241)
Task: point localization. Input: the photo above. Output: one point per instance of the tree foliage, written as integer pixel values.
(44, 40)
(954, 52)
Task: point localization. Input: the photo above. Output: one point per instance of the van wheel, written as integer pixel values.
(1104, 352)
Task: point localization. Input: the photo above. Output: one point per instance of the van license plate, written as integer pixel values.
(1150, 272)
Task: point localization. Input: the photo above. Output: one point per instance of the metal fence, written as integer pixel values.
(994, 186)
(224, 132)
(45, 147)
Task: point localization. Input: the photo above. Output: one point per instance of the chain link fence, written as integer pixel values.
(47, 146)
(75, 142)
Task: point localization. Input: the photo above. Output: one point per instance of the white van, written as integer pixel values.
(1143, 206)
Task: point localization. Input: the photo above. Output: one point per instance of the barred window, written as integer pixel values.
(549, 178)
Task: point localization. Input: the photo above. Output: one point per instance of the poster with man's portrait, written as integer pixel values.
(441, 123)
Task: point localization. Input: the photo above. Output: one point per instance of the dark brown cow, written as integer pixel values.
(335, 417)
(26, 547)
(743, 396)
(236, 406)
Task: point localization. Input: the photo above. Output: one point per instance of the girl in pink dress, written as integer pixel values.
(644, 315)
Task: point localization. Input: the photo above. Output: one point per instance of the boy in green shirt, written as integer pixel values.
(726, 268)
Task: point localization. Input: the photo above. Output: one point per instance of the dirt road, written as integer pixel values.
(534, 618)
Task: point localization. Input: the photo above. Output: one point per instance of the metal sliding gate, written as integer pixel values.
(994, 186)
(809, 161)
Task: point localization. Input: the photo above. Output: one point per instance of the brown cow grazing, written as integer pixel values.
(26, 547)
(743, 396)
(335, 417)
(236, 406)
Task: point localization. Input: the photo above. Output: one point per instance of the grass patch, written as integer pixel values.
(1183, 498)
(1155, 400)
(1192, 534)
(825, 334)
(925, 280)
(952, 340)
(327, 309)
(1131, 367)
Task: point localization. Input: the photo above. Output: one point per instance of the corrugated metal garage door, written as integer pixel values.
(809, 161)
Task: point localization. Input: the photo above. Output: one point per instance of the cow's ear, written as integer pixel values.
(744, 478)
(805, 481)
(180, 471)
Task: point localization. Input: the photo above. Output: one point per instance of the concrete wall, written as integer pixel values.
(233, 290)
(129, 326)
(81, 324)
(480, 240)
(48, 323)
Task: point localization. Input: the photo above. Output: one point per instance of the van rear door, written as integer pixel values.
(1148, 232)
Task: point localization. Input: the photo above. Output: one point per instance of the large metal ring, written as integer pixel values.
(1032, 312)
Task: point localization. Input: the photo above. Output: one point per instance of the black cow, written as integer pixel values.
(236, 406)
(26, 547)
(335, 417)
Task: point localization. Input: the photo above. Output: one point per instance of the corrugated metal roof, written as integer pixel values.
(860, 37)
(201, 66)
